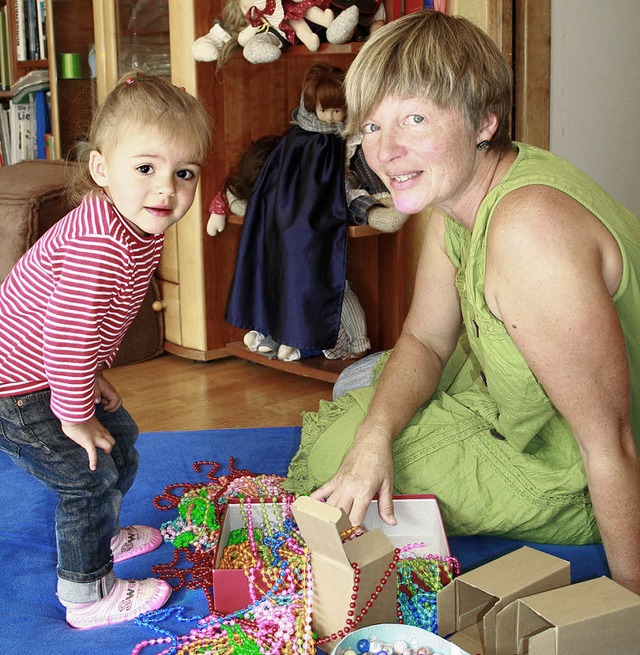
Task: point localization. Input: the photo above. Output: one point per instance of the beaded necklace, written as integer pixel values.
(278, 619)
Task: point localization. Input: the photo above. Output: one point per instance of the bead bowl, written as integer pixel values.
(390, 633)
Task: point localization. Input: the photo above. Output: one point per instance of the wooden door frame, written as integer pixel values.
(522, 29)
(532, 68)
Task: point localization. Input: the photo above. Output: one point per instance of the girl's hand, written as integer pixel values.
(90, 435)
(106, 394)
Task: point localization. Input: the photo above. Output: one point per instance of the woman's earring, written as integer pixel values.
(483, 145)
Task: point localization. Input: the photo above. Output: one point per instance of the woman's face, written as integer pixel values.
(423, 154)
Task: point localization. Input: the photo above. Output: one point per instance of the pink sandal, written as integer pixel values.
(126, 600)
(134, 540)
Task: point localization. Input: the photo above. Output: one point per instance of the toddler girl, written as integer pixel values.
(64, 310)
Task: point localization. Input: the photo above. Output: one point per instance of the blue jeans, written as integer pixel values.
(88, 511)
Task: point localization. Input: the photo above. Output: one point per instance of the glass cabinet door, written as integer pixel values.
(143, 36)
(130, 35)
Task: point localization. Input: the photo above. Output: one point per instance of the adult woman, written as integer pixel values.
(524, 426)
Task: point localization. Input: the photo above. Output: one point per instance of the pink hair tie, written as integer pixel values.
(129, 80)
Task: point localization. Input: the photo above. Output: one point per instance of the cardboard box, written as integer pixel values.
(231, 590)
(419, 521)
(469, 605)
(590, 618)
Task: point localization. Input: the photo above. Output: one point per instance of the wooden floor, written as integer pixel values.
(172, 393)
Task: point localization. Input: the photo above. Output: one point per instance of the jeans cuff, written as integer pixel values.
(85, 592)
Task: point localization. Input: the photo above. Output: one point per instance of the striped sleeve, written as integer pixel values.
(88, 277)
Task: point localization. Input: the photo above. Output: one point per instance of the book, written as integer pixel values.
(5, 63)
(22, 128)
(42, 29)
(35, 80)
(42, 124)
(20, 30)
(31, 17)
(5, 135)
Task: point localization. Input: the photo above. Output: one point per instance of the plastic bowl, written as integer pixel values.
(389, 633)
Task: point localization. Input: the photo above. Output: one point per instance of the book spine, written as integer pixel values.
(33, 49)
(5, 76)
(42, 28)
(6, 135)
(42, 124)
(21, 35)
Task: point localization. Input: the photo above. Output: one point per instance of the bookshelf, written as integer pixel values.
(53, 37)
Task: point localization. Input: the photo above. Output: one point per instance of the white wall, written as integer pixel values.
(595, 92)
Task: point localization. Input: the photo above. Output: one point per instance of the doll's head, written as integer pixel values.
(240, 182)
(323, 94)
(143, 101)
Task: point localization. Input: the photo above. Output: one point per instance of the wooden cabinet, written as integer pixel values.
(246, 102)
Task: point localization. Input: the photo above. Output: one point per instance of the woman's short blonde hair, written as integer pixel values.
(442, 58)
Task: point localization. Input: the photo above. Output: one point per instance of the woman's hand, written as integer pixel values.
(106, 394)
(90, 435)
(366, 470)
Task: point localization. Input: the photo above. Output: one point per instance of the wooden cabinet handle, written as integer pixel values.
(158, 305)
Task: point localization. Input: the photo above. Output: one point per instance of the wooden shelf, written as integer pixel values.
(318, 368)
(354, 231)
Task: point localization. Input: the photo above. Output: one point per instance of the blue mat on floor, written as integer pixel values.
(31, 619)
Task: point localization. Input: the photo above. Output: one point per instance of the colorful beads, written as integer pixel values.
(376, 646)
(351, 533)
(279, 618)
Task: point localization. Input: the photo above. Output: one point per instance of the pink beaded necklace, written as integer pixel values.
(279, 619)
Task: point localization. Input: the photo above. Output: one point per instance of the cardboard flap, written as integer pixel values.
(583, 601)
(320, 525)
(541, 643)
(515, 624)
(525, 569)
(461, 605)
(369, 547)
(473, 604)
(587, 617)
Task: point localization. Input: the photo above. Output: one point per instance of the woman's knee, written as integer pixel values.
(357, 375)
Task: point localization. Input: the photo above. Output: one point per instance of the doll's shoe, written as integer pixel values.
(134, 540)
(288, 353)
(209, 46)
(269, 347)
(126, 600)
(343, 27)
(261, 49)
(252, 340)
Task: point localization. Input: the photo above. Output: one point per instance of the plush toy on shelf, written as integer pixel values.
(371, 15)
(289, 288)
(263, 27)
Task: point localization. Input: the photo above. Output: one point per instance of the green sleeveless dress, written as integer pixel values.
(489, 444)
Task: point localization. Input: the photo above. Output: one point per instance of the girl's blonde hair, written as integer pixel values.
(442, 58)
(142, 100)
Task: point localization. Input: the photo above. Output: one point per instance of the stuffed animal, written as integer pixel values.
(372, 15)
(263, 27)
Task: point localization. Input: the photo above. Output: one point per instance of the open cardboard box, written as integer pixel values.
(231, 589)
(418, 521)
(469, 605)
(590, 618)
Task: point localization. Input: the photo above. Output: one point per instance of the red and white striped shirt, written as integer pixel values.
(67, 303)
